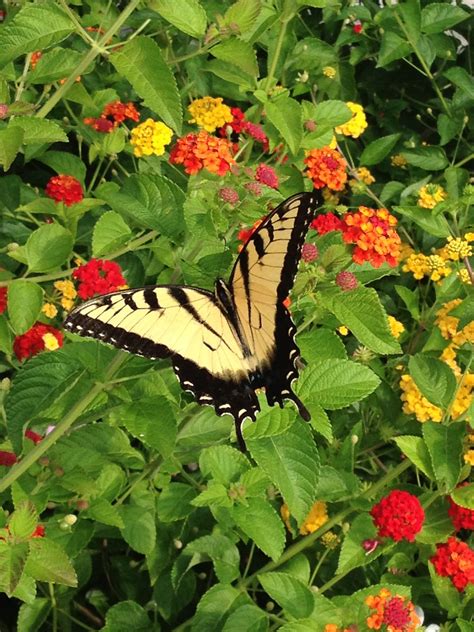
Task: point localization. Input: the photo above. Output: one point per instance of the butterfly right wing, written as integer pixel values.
(183, 323)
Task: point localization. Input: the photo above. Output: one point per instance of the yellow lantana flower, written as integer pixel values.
(396, 327)
(430, 195)
(209, 113)
(150, 138)
(50, 342)
(356, 125)
(329, 71)
(317, 516)
(49, 310)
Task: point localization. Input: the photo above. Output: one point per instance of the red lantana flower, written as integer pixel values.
(98, 276)
(326, 223)
(245, 234)
(33, 436)
(455, 560)
(237, 124)
(266, 175)
(203, 151)
(398, 516)
(39, 338)
(112, 115)
(256, 132)
(65, 189)
(7, 458)
(326, 167)
(3, 299)
(461, 517)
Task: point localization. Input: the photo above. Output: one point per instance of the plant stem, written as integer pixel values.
(63, 426)
(276, 55)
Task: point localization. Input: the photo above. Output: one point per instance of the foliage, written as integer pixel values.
(125, 504)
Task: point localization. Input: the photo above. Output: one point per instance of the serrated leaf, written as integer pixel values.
(13, 558)
(461, 79)
(437, 525)
(378, 149)
(464, 495)
(243, 13)
(335, 384)
(434, 378)
(436, 225)
(411, 298)
(239, 53)
(38, 131)
(415, 449)
(260, 522)
(437, 17)
(456, 180)
(393, 47)
(125, 616)
(141, 62)
(216, 605)
(23, 521)
(272, 421)
(320, 420)
(445, 446)
(153, 422)
(362, 312)
(139, 530)
(110, 232)
(48, 247)
(34, 27)
(174, 502)
(247, 618)
(11, 139)
(223, 553)
(47, 562)
(216, 495)
(54, 65)
(35, 387)
(289, 592)
(187, 16)
(25, 300)
(104, 512)
(31, 616)
(223, 463)
(291, 461)
(335, 485)
(427, 158)
(231, 73)
(321, 344)
(331, 113)
(64, 162)
(285, 114)
(352, 553)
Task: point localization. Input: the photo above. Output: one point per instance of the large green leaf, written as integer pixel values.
(427, 158)
(393, 47)
(64, 162)
(187, 15)
(352, 552)
(362, 312)
(110, 232)
(174, 502)
(13, 558)
(47, 562)
(153, 422)
(290, 593)
(461, 79)
(437, 17)
(243, 13)
(23, 521)
(139, 530)
(48, 247)
(436, 225)
(239, 53)
(434, 378)
(223, 553)
(260, 522)
(31, 616)
(378, 149)
(25, 300)
(285, 114)
(34, 27)
(415, 449)
(247, 618)
(11, 139)
(140, 61)
(125, 616)
(223, 463)
(445, 445)
(54, 65)
(38, 131)
(216, 605)
(291, 461)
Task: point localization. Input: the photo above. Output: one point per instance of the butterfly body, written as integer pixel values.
(223, 344)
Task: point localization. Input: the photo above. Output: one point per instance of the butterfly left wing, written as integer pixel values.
(261, 280)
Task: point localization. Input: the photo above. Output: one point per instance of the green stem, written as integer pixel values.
(464, 160)
(97, 48)
(276, 55)
(63, 426)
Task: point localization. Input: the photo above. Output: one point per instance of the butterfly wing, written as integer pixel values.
(183, 323)
(261, 280)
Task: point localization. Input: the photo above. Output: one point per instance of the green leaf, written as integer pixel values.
(244, 14)
(437, 525)
(393, 47)
(290, 593)
(285, 114)
(378, 149)
(461, 79)
(427, 158)
(48, 247)
(321, 344)
(25, 300)
(23, 521)
(352, 553)
(34, 27)
(448, 127)
(436, 225)
(411, 299)
(271, 421)
(434, 378)
(464, 495)
(36, 385)
(247, 618)
(101, 510)
(6, 336)
(445, 445)
(362, 312)
(125, 616)
(64, 162)
(223, 464)
(437, 17)
(38, 131)
(47, 562)
(174, 502)
(187, 16)
(331, 113)
(139, 530)
(239, 53)
(216, 605)
(231, 73)
(447, 595)
(291, 461)
(141, 62)
(223, 553)
(415, 449)
(260, 522)
(456, 180)
(31, 616)
(54, 65)
(152, 422)
(110, 232)
(11, 139)
(335, 485)
(13, 558)
(336, 384)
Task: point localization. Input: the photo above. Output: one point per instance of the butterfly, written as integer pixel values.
(223, 344)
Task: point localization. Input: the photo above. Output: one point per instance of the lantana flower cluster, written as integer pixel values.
(392, 613)
(150, 138)
(203, 151)
(356, 125)
(455, 559)
(209, 113)
(98, 276)
(430, 195)
(326, 168)
(38, 338)
(239, 125)
(317, 516)
(112, 116)
(461, 517)
(438, 265)
(64, 188)
(398, 516)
